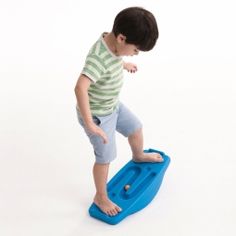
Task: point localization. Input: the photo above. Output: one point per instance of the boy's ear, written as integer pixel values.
(121, 38)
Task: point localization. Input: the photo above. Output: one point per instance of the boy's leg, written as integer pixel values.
(130, 126)
(136, 144)
(105, 153)
(100, 173)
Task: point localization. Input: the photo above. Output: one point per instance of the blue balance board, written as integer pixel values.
(133, 187)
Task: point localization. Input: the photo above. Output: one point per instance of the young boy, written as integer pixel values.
(97, 92)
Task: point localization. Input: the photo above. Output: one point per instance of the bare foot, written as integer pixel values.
(149, 157)
(106, 205)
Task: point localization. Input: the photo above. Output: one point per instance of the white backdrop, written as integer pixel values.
(184, 93)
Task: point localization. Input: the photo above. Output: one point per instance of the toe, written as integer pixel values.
(113, 212)
(110, 213)
(159, 158)
(118, 209)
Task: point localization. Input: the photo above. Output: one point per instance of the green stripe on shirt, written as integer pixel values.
(106, 72)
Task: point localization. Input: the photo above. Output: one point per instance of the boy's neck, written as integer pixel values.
(111, 42)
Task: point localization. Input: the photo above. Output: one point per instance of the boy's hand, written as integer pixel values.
(94, 129)
(130, 67)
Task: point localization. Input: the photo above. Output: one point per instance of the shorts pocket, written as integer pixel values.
(96, 120)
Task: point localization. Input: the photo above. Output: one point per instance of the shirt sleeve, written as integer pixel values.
(94, 67)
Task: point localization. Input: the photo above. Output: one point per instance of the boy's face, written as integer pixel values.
(125, 49)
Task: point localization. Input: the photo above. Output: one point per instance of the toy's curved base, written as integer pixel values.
(143, 179)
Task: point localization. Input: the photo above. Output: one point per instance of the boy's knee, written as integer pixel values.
(136, 133)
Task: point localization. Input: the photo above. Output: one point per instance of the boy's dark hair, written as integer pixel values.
(138, 25)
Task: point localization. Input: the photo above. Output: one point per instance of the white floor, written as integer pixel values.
(187, 105)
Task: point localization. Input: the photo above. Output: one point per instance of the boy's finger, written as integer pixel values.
(105, 140)
(104, 137)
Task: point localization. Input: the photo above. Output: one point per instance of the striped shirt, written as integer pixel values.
(105, 70)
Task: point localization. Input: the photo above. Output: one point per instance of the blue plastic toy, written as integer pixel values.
(133, 188)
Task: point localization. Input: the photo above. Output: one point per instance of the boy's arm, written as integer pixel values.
(81, 92)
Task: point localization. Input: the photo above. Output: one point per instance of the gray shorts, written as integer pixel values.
(121, 120)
